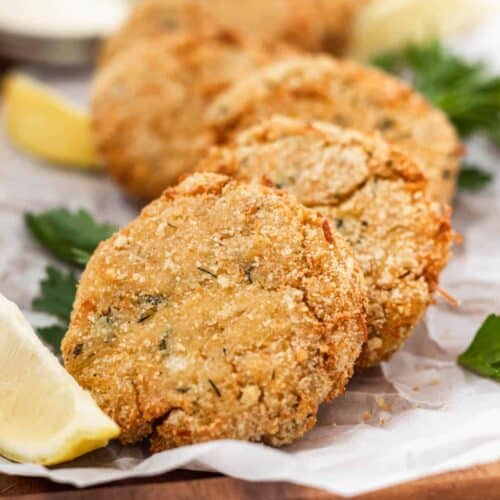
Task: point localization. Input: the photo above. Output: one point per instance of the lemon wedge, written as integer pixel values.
(45, 416)
(46, 125)
(388, 25)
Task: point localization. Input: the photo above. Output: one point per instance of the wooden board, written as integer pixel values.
(477, 483)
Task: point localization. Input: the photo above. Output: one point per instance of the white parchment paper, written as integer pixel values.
(419, 414)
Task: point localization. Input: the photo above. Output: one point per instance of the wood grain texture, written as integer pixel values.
(477, 483)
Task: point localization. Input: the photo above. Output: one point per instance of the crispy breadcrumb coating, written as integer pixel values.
(224, 311)
(347, 94)
(373, 194)
(148, 105)
(315, 25)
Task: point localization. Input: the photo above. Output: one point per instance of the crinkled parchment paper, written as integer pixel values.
(419, 414)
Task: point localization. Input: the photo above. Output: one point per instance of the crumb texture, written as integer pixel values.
(225, 310)
(372, 194)
(346, 94)
(148, 104)
(311, 25)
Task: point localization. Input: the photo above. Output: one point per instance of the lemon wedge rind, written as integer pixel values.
(45, 416)
(46, 125)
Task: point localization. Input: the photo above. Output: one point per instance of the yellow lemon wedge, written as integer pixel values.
(46, 125)
(388, 25)
(45, 416)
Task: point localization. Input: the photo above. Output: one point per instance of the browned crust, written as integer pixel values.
(348, 94)
(221, 312)
(314, 25)
(148, 104)
(375, 195)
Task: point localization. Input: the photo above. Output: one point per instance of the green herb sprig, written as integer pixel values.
(463, 90)
(57, 293)
(470, 97)
(473, 178)
(72, 237)
(483, 355)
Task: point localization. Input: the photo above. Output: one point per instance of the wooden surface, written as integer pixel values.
(477, 483)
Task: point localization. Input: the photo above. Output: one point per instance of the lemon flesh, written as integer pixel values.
(46, 125)
(45, 416)
(389, 25)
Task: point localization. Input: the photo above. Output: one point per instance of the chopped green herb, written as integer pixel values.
(104, 327)
(183, 390)
(144, 316)
(248, 273)
(77, 350)
(215, 388)
(339, 223)
(483, 355)
(72, 237)
(206, 271)
(463, 90)
(163, 344)
(149, 304)
(385, 124)
(153, 299)
(473, 178)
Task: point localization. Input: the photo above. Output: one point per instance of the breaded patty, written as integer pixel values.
(148, 105)
(350, 95)
(225, 310)
(311, 24)
(373, 194)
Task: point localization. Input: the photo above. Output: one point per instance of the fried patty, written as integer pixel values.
(347, 94)
(225, 310)
(311, 25)
(373, 194)
(148, 105)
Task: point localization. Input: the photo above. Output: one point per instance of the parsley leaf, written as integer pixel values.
(52, 335)
(57, 294)
(391, 62)
(463, 90)
(72, 237)
(473, 178)
(483, 355)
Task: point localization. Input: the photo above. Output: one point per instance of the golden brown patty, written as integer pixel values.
(311, 24)
(373, 194)
(350, 95)
(224, 311)
(148, 105)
